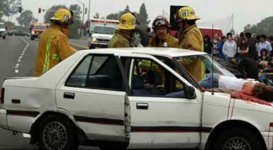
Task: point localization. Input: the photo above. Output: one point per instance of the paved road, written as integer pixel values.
(17, 56)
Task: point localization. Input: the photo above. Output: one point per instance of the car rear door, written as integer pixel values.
(95, 95)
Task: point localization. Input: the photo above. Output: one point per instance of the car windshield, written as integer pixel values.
(204, 63)
(104, 30)
(2, 26)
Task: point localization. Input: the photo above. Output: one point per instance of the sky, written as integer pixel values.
(217, 12)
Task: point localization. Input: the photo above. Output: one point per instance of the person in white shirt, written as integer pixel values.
(233, 84)
(264, 44)
(229, 48)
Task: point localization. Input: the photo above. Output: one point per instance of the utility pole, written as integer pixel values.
(88, 20)
(83, 8)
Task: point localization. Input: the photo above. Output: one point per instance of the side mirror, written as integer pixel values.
(190, 92)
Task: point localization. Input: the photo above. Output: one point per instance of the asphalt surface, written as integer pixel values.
(17, 57)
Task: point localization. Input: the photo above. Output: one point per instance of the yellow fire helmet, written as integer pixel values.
(127, 22)
(63, 15)
(187, 13)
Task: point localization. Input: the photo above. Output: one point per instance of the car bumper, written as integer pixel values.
(3, 119)
(102, 44)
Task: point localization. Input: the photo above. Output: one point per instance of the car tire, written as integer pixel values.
(31, 38)
(237, 138)
(57, 132)
(4, 37)
(109, 146)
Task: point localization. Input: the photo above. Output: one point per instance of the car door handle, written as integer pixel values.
(69, 95)
(142, 106)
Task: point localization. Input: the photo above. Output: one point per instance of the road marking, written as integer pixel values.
(17, 70)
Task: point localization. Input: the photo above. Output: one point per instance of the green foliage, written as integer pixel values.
(115, 16)
(8, 7)
(3, 4)
(142, 18)
(25, 18)
(263, 27)
(10, 25)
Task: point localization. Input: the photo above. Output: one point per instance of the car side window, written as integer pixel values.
(151, 79)
(97, 72)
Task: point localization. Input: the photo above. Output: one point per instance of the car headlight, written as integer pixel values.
(93, 40)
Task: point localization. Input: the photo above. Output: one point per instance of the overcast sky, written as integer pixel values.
(245, 11)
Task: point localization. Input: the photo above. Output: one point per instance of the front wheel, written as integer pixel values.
(57, 133)
(237, 139)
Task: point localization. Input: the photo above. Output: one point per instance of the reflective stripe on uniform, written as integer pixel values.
(47, 56)
(56, 57)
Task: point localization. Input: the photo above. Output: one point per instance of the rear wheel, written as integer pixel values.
(237, 139)
(57, 133)
(4, 37)
(31, 37)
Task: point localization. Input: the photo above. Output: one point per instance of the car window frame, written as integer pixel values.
(90, 64)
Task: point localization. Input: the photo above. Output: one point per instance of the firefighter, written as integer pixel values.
(54, 45)
(122, 36)
(190, 37)
(162, 37)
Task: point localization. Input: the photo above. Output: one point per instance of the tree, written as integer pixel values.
(115, 16)
(142, 18)
(9, 25)
(10, 7)
(97, 15)
(50, 12)
(263, 27)
(25, 18)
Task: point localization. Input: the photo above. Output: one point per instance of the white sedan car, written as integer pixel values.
(133, 98)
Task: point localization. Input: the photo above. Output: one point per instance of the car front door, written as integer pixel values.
(94, 94)
(162, 116)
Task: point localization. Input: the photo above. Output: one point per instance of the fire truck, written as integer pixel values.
(101, 31)
(36, 29)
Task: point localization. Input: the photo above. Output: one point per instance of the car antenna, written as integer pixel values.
(212, 59)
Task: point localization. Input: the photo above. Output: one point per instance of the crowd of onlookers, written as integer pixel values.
(234, 49)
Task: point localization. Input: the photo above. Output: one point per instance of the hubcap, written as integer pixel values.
(55, 135)
(236, 143)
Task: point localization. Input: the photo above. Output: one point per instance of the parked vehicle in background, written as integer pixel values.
(3, 30)
(17, 32)
(37, 29)
(101, 31)
(139, 98)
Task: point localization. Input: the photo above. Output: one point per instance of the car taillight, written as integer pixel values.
(2, 96)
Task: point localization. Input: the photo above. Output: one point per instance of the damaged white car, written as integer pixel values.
(130, 98)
